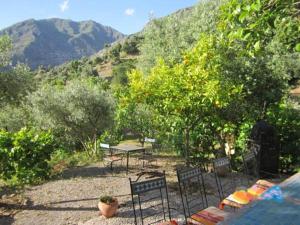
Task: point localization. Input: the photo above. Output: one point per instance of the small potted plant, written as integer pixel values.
(108, 206)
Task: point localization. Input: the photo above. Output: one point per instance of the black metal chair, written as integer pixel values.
(145, 195)
(251, 171)
(194, 200)
(148, 156)
(225, 179)
(250, 167)
(111, 156)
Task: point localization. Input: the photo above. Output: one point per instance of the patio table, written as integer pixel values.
(270, 212)
(128, 149)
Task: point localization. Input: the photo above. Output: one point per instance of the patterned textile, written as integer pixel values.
(210, 216)
(172, 222)
(237, 200)
(240, 198)
(271, 212)
(273, 193)
(265, 183)
(259, 188)
(256, 190)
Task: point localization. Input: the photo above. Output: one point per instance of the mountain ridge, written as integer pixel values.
(51, 42)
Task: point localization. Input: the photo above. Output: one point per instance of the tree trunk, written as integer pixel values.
(187, 146)
(222, 145)
(142, 140)
(95, 145)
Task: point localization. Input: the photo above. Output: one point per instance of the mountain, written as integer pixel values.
(51, 42)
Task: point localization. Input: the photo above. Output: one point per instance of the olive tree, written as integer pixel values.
(78, 112)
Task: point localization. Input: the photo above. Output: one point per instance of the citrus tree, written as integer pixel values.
(189, 92)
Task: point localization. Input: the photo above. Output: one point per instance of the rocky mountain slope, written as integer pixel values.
(52, 42)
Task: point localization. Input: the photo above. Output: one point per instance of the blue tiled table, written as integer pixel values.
(267, 212)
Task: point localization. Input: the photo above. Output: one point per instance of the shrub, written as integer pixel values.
(25, 155)
(77, 112)
(62, 159)
(131, 45)
(286, 120)
(120, 72)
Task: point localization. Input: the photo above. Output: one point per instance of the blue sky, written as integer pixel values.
(127, 16)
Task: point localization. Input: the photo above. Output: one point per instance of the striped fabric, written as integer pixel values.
(259, 188)
(210, 216)
(240, 198)
(256, 190)
(172, 222)
(265, 183)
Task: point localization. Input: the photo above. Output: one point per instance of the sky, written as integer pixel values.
(127, 16)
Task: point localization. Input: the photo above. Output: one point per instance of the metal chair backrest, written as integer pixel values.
(254, 147)
(104, 146)
(250, 166)
(225, 180)
(150, 140)
(155, 144)
(192, 190)
(107, 151)
(148, 192)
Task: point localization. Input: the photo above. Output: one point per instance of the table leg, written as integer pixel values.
(144, 152)
(127, 166)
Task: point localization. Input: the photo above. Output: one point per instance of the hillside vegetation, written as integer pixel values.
(196, 80)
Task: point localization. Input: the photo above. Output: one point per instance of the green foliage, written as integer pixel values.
(25, 155)
(140, 119)
(114, 52)
(112, 136)
(262, 38)
(238, 69)
(205, 74)
(286, 120)
(187, 92)
(13, 118)
(77, 112)
(5, 50)
(15, 83)
(257, 23)
(170, 36)
(62, 159)
(98, 60)
(131, 45)
(267, 31)
(75, 69)
(120, 72)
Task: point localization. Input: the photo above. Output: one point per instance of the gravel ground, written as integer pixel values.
(73, 199)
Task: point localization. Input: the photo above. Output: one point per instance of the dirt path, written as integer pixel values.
(73, 199)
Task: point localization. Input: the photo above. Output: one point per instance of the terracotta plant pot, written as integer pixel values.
(108, 210)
